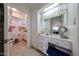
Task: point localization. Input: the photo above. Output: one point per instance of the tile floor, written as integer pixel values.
(20, 49)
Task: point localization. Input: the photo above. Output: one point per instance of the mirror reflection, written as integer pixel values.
(51, 22)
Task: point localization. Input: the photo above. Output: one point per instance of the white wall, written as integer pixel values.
(78, 29)
(5, 29)
(34, 23)
(72, 19)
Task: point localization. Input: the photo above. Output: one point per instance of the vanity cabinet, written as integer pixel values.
(61, 42)
(43, 40)
(39, 42)
(42, 44)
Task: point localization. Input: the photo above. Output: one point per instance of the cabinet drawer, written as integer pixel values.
(62, 43)
(44, 50)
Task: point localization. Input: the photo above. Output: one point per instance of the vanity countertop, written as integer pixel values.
(56, 36)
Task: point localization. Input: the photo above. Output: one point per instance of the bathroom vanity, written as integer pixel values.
(50, 19)
(43, 40)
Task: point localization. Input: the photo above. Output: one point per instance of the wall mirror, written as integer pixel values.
(52, 17)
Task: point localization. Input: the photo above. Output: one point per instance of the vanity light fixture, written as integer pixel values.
(50, 9)
(49, 12)
(51, 6)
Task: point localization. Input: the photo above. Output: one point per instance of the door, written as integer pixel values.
(1, 29)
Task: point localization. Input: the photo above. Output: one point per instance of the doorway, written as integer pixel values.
(17, 30)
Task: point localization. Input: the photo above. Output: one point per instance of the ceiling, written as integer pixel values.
(31, 5)
(24, 6)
